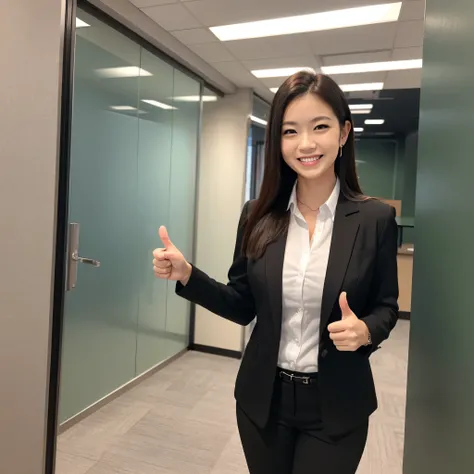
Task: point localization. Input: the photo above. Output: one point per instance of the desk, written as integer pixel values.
(403, 222)
(405, 275)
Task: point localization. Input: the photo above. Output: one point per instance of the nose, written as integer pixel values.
(307, 143)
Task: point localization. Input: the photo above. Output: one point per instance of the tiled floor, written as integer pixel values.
(181, 421)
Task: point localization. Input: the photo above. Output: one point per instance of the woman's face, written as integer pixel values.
(311, 137)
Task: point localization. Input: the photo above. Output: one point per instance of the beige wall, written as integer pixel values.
(30, 53)
(221, 191)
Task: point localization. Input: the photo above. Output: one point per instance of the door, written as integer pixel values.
(101, 311)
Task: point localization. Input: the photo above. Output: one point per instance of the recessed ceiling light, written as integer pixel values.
(358, 129)
(126, 108)
(360, 106)
(374, 121)
(328, 20)
(122, 107)
(370, 86)
(155, 103)
(80, 23)
(195, 98)
(373, 67)
(258, 120)
(120, 72)
(280, 72)
(361, 112)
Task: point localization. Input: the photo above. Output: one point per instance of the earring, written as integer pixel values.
(340, 153)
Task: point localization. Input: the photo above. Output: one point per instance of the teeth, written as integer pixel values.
(308, 160)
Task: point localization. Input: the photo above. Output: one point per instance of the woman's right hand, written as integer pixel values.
(168, 262)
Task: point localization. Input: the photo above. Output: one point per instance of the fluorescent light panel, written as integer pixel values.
(374, 121)
(358, 129)
(370, 86)
(195, 98)
(121, 72)
(123, 107)
(155, 103)
(360, 106)
(329, 20)
(258, 120)
(81, 24)
(373, 67)
(361, 112)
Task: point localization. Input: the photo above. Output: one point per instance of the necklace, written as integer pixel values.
(305, 205)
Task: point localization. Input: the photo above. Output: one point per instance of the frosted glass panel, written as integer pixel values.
(133, 168)
(156, 125)
(182, 196)
(100, 319)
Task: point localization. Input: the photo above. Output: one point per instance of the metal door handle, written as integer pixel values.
(73, 257)
(88, 261)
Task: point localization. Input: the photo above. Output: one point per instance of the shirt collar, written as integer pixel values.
(330, 204)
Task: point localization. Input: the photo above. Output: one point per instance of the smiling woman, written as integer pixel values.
(316, 262)
(310, 135)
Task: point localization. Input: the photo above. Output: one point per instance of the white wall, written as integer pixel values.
(221, 192)
(30, 50)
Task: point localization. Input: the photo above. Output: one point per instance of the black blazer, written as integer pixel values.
(362, 262)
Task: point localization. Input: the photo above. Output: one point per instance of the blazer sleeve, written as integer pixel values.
(233, 301)
(383, 313)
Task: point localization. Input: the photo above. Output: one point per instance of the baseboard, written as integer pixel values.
(116, 393)
(216, 351)
(404, 315)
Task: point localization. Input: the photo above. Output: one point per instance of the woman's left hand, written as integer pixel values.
(350, 332)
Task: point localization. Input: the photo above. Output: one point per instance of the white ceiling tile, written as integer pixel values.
(410, 33)
(225, 12)
(356, 58)
(151, 3)
(414, 10)
(290, 61)
(212, 52)
(172, 17)
(237, 73)
(274, 47)
(195, 36)
(353, 40)
(402, 54)
(359, 78)
(404, 79)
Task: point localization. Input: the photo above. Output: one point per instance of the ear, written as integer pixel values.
(345, 130)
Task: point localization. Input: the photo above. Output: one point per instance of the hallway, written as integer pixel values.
(181, 421)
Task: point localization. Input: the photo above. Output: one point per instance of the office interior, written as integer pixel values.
(166, 125)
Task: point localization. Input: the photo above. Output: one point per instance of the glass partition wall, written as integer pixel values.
(133, 168)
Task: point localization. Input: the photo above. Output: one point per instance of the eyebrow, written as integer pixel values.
(316, 119)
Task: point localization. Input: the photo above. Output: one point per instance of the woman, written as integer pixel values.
(316, 262)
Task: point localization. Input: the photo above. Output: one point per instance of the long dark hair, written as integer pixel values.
(269, 218)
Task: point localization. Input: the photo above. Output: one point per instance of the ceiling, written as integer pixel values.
(189, 22)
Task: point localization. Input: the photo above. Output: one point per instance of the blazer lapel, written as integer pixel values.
(346, 226)
(274, 257)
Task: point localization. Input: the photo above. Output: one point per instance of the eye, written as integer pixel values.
(289, 131)
(321, 127)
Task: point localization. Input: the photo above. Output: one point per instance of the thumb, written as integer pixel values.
(345, 308)
(163, 233)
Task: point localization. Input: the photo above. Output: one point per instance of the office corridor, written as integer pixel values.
(181, 421)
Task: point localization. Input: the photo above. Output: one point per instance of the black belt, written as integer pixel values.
(297, 377)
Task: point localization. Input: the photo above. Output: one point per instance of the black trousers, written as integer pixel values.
(294, 440)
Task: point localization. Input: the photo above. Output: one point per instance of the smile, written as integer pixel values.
(310, 160)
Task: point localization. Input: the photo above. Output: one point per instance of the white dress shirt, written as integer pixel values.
(304, 272)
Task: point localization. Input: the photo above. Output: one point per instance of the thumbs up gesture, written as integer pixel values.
(168, 262)
(350, 332)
